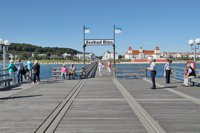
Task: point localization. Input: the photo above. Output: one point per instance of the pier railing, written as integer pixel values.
(130, 72)
(89, 70)
(5, 78)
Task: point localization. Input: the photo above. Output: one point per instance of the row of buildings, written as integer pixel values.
(142, 54)
(132, 54)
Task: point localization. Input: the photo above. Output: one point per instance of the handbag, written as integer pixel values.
(14, 68)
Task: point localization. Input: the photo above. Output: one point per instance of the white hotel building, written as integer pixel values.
(142, 53)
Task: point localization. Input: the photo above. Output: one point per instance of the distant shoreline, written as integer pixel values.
(177, 62)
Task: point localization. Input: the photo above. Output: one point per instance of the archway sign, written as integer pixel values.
(99, 42)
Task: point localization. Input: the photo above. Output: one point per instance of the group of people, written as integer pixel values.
(108, 65)
(27, 70)
(31, 71)
(189, 72)
(152, 69)
(70, 72)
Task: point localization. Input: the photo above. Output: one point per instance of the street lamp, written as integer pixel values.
(196, 44)
(4, 46)
(1, 44)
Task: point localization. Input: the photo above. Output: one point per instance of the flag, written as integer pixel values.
(87, 30)
(118, 30)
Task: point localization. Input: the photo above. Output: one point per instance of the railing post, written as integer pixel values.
(145, 71)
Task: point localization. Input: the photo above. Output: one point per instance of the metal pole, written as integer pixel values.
(4, 56)
(114, 44)
(84, 55)
(84, 45)
(195, 48)
(114, 50)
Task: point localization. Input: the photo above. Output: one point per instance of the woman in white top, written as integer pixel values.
(167, 70)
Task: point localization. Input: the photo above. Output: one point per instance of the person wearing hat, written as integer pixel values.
(152, 70)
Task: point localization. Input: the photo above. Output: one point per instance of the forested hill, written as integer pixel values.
(26, 50)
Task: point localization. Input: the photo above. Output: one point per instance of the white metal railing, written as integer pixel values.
(130, 72)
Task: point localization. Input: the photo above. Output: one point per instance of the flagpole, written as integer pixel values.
(84, 45)
(114, 48)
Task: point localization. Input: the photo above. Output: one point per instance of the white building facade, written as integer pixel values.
(109, 55)
(142, 54)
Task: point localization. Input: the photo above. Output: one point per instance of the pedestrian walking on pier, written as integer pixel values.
(167, 70)
(100, 67)
(152, 69)
(109, 65)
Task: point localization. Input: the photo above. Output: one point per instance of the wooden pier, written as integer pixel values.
(103, 104)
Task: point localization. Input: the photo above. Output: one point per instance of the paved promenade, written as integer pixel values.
(100, 105)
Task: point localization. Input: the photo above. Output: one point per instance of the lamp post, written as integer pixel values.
(4, 46)
(196, 44)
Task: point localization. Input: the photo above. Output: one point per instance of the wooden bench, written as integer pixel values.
(131, 72)
(5, 79)
(195, 80)
(120, 75)
(56, 73)
(7, 82)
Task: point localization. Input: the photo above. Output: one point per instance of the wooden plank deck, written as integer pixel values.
(102, 105)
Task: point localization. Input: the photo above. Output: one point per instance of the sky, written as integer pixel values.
(168, 24)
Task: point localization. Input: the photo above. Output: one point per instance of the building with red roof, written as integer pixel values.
(142, 53)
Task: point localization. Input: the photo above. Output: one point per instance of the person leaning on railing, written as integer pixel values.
(11, 70)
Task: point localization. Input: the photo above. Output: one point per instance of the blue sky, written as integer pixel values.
(168, 24)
